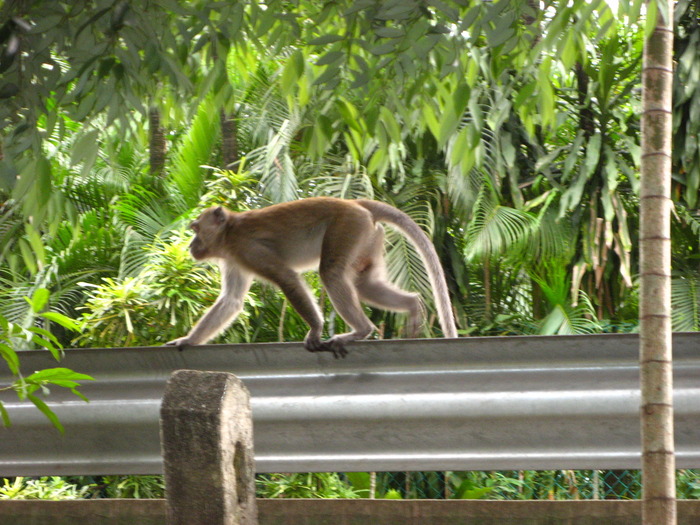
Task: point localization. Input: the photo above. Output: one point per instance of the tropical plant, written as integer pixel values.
(14, 336)
(136, 487)
(311, 485)
(46, 488)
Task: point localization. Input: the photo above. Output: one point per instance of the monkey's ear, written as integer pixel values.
(219, 215)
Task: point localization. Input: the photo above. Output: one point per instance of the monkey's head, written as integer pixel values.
(209, 229)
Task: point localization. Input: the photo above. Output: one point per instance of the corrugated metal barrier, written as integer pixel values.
(556, 402)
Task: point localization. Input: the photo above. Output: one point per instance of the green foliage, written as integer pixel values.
(685, 298)
(46, 488)
(311, 485)
(508, 131)
(169, 291)
(688, 484)
(686, 103)
(194, 151)
(133, 487)
(27, 386)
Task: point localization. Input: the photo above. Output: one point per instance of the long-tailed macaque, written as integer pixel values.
(340, 237)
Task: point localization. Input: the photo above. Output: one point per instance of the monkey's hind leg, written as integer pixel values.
(375, 289)
(345, 299)
(338, 273)
(387, 296)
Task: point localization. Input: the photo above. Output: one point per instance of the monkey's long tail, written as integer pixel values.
(386, 213)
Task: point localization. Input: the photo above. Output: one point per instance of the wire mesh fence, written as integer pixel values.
(526, 485)
(493, 485)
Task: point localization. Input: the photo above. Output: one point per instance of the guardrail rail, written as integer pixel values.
(530, 402)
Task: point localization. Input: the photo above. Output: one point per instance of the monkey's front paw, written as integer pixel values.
(313, 343)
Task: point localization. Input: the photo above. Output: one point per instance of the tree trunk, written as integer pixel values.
(658, 461)
(229, 139)
(156, 141)
(586, 115)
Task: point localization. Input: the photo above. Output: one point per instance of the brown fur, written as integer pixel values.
(340, 237)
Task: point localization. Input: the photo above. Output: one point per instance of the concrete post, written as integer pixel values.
(207, 442)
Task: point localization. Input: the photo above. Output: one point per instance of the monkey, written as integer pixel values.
(343, 238)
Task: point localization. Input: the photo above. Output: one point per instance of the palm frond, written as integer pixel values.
(405, 267)
(273, 163)
(187, 174)
(336, 176)
(145, 212)
(567, 320)
(685, 300)
(495, 228)
(552, 239)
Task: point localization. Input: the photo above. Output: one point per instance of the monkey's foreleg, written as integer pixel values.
(217, 318)
(235, 284)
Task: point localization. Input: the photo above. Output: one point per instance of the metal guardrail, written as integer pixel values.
(466, 404)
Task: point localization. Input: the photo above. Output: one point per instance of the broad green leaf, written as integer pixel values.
(573, 156)
(39, 299)
(349, 113)
(652, 14)
(10, 357)
(85, 148)
(501, 33)
(46, 335)
(383, 49)
(389, 32)
(5, 416)
(34, 188)
(468, 159)
(390, 124)
(28, 256)
(379, 162)
(461, 98)
(293, 69)
(460, 148)
(360, 481)
(507, 149)
(362, 78)
(569, 53)
(58, 374)
(304, 90)
(546, 103)
(358, 5)
(470, 18)
(330, 58)
(44, 408)
(42, 342)
(431, 120)
(525, 94)
(330, 74)
(37, 245)
(592, 157)
(450, 12)
(326, 39)
(448, 125)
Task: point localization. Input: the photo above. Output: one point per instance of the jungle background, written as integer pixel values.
(509, 130)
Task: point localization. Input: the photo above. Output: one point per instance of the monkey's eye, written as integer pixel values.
(195, 226)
